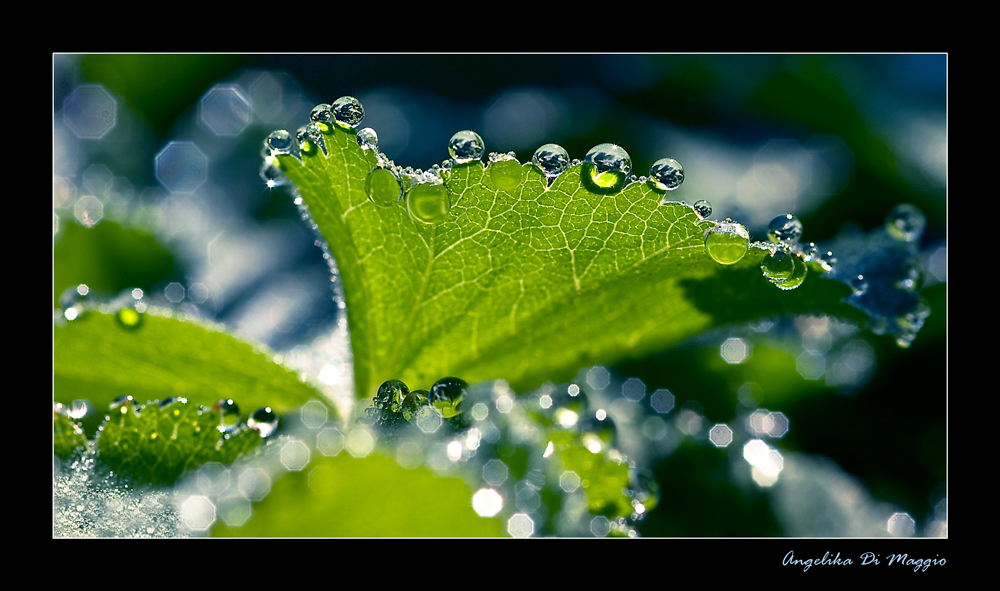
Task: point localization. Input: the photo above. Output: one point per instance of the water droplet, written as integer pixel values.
(271, 172)
(310, 138)
(605, 168)
(383, 187)
(807, 251)
(466, 146)
(702, 208)
(666, 174)
(347, 112)
(428, 202)
(447, 395)
(727, 242)
(506, 173)
(827, 260)
(798, 275)
(129, 317)
(279, 142)
(551, 159)
(858, 283)
(164, 403)
(778, 266)
(263, 420)
(229, 414)
(413, 402)
(906, 223)
(122, 402)
(322, 115)
(786, 229)
(367, 138)
(597, 431)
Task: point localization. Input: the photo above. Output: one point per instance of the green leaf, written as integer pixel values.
(365, 497)
(98, 358)
(67, 436)
(159, 443)
(527, 283)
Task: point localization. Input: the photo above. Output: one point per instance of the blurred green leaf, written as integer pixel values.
(367, 497)
(108, 258)
(99, 359)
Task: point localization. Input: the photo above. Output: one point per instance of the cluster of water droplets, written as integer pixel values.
(511, 447)
(884, 271)
(606, 168)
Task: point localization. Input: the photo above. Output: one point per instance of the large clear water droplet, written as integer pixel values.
(263, 421)
(229, 414)
(413, 402)
(702, 208)
(506, 173)
(778, 266)
(447, 395)
(347, 112)
(367, 138)
(309, 138)
(322, 115)
(906, 223)
(785, 229)
(666, 174)
(428, 202)
(798, 276)
(605, 168)
(383, 187)
(727, 242)
(279, 142)
(466, 146)
(551, 159)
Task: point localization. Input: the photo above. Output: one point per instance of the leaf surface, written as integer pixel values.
(528, 283)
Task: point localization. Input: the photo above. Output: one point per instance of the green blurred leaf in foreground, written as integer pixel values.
(522, 281)
(99, 359)
(365, 497)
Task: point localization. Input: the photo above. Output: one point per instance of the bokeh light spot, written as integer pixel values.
(662, 401)
(901, 525)
(495, 472)
(634, 389)
(520, 526)
(224, 110)
(569, 481)
(181, 167)
(198, 512)
(88, 211)
(295, 455)
(735, 350)
(487, 502)
(720, 435)
(598, 378)
(329, 441)
(89, 111)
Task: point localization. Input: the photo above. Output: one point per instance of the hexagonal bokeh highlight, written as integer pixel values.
(314, 414)
(520, 526)
(901, 525)
(569, 481)
(295, 455)
(487, 502)
(224, 110)
(495, 472)
(598, 378)
(329, 441)
(600, 526)
(634, 389)
(174, 292)
(720, 435)
(198, 512)
(254, 484)
(88, 211)
(662, 401)
(359, 442)
(735, 350)
(90, 111)
(181, 167)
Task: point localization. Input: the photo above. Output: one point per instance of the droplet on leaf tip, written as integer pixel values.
(347, 112)
(466, 146)
(666, 174)
(605, 168)
(727, 242)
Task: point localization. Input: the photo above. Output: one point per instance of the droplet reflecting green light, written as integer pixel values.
(506, 174)
(727, 242)
(428, 203)
(383, 187)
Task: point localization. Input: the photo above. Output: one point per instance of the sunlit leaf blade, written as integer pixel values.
(97, 358)
(528, 284)
(365, 497)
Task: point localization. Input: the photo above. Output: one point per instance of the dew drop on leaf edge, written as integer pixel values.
(798, 276)
(778, 266)
(702, 208)
(551, 159)
(906, 223)
(367, 138)
(466, 146)
(428, 203)
(667, 174)
(279, 142)
(727, 242)
(605, 168)
(263, 420)
(347, 112)
(229, 414)
(785, 229)
(506, 174)
(382, 187)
